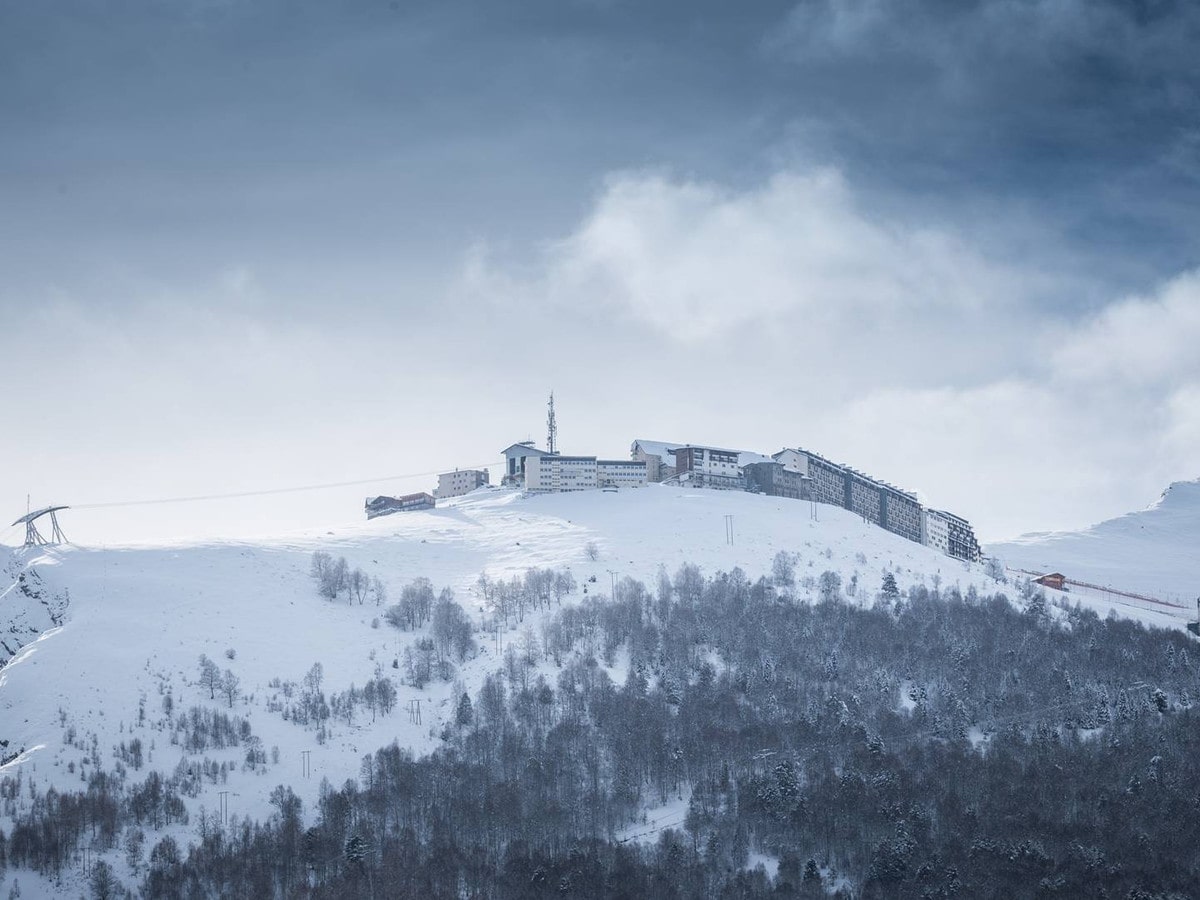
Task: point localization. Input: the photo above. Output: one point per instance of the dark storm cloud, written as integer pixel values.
(1087, 110)
(183, 134)
(179, 135)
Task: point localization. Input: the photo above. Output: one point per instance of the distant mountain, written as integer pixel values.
(1155, 551)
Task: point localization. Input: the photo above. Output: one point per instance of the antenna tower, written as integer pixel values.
(551, 426)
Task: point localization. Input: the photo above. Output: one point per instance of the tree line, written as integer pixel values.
(931, 743)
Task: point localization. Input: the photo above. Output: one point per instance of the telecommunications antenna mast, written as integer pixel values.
(551, 427)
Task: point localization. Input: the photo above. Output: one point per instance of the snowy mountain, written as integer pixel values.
(118, 663)
(1154, 551)
(27, 606)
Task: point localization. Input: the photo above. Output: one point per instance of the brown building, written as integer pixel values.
(1055, 580)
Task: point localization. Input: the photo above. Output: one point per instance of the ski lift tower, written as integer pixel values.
(33, 537)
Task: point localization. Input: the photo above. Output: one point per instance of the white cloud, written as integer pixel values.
(893, 345)
(1140, 340)
(694, 259)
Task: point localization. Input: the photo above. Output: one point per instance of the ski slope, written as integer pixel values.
(1154, 551)
(140, 617)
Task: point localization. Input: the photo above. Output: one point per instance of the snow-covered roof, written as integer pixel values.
(660, 449)
(524, 449)
(663, 450)
(745, 457)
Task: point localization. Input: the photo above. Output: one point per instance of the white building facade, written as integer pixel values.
(554, 474)
(515, 458)
(621, 473)
(460, 481)
(935, 530)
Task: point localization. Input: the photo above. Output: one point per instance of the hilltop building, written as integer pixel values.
(794, 473)
(775, 480)
(621, 473)
(385, 506)
(935, 530)
(709, 467)
(876, 501)
(658, 457)
(558, 473)
(951, 534)
(516, 458)
(460, 481)
(963, 544)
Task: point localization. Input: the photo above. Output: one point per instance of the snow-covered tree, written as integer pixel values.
(210, 676)
(230, 686)
(890, 590)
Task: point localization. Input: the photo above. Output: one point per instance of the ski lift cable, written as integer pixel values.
(234, 495)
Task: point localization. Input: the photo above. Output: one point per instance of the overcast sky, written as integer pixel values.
(251, 245)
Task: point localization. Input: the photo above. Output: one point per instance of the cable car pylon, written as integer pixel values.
(33, 537)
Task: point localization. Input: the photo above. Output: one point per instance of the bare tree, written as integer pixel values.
(210, 676)
(321, 563)
(230, 684)
(340, 579)
(385, 694)
(359, 585)
(783, 570)
(591, 551)
(418, 597)
(564, 583)
(450, 629)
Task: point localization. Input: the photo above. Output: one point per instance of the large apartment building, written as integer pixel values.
(960, 537)
(708, 467)
(876, 501)
(460, 481)
(935, 530)
(621, 473)
(560, 473)
(774, 480)
(556, 473)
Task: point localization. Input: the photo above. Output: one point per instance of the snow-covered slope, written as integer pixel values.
(1154, 551)
(140, 617)
(27, 606)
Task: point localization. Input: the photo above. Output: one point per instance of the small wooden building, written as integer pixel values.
(1055, 580)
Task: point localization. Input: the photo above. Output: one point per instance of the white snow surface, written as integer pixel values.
(1154, 551)
(140, 617)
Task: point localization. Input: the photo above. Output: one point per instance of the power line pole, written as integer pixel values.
(729, 530)
(306, 763)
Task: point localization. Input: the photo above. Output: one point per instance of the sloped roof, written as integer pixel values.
(527, 449)
(662, 449)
